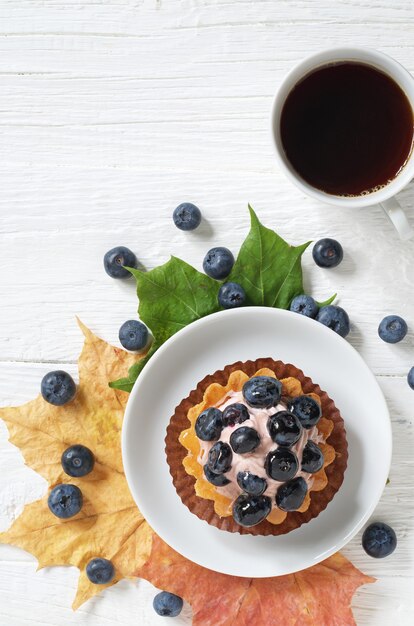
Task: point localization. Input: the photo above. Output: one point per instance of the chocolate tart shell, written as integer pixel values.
(203, 508)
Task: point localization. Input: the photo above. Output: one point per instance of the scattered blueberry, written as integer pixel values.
(312, 458)
(305, 305)
(290, 495)
(220, 458)
(335, 318)
(251, 510)
(231, 295)
(167, 604)
(392, 329)
(116, 259)
(262, 391)
(251, 484)
(133, 335)
(187, 216)
(281, 464)
(218, 263)
(284, 428)
(77, 461)
(236, 413)
(65, 501)
(244, 439)
(209, 424)
(306, 409)
(410, 378)
(327, 253)
(379, 540)
(58, 387)
(100, 571)
(218, 480)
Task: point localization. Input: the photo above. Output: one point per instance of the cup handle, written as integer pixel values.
(397, 216)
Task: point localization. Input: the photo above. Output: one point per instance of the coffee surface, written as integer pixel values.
(347, 128)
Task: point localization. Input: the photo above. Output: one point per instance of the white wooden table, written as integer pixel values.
(111, 113)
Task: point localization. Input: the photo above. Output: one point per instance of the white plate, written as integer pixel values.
(241, 334)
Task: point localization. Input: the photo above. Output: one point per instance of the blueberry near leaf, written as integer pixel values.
(312, 458)
(284, 428)
(220, 458)
(209, 424)
(327, 252)
(305, 305)
(77, 461)
(133, 335)
(117, 259)
(58, 387)
(231, 295)
(379, 540)
(235, 413)
(306, 409)
(410, 378)
(290, 495)
(251, 484)
(218, 480)
(392, 329)
(167, 604)
(244, 440)
(262, 391)
(218, 263)
(335, 318)
(65, 501)
(281, 464)
(187, 216)
(100, 571)
(251, 510)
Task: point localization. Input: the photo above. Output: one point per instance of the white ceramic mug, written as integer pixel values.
(384, 196)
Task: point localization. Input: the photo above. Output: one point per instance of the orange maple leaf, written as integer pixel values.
(109, 524)
(318, 596)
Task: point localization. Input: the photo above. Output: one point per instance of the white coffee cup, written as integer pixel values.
(384, 196)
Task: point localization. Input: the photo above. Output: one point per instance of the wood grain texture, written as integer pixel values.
(111, 113)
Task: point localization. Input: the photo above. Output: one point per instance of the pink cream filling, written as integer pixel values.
(254, 461)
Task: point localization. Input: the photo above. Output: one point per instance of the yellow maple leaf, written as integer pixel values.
(109, 524)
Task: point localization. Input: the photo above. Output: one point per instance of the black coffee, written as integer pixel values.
(347, 128)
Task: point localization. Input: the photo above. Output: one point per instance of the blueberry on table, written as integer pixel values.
(115, 260)
(133, 335)
(251, 484)
(209, 424)
(305, 305)
(167, 604)
(77, 461)
(100, 571)
(187, 216)
(312, 458)
(379, 540)
(290, 495)
(306, 409)
(327, 252)
(262, 391)
(281, 464)
(58, 387)
(218, 263)
(335, 318)
(410, 378)
(392, 329)
(218, 480)
(251, 510)
(65, 501)
(284, 428)
(236, 413)
(220, 458)
(244, 439)
(231, 295)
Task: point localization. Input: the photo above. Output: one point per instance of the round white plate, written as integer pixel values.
(241, 334)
